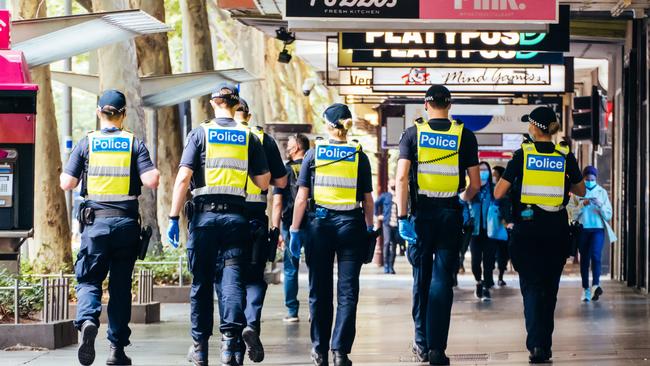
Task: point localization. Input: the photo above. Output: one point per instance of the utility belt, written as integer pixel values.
(87, 216)
(320, 212)
(192, 207)
(426, 203)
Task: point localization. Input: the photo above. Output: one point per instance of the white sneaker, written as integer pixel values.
(586, 295)
(291, 319)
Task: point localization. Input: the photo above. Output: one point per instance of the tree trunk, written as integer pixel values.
(51, 250)
(118, 69)
(199, 51)
(153, 59)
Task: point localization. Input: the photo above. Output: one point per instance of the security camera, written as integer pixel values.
(308, 86)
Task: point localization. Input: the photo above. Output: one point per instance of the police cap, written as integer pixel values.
(541, 117)
(226, 91)
(438, 94)
(335, 113)
(112, 98)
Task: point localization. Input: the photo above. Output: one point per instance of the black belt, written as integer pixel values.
(219, 208)
(433, 203)
(113, 212)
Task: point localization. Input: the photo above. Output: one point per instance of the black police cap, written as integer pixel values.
(439, 94)
(335, 113)
(112, 98)
(226, 90)
(541, 117)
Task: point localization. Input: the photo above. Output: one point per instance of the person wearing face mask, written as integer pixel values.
(283, 199)
(505, 218)
(592, 211)
(541, 175)
(483, 244)
(386, 212)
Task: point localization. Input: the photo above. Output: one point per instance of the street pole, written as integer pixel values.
(67, 120)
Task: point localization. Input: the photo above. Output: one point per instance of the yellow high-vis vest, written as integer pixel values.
(109, 166)
(253, 192)
(438, 169)
(544, 176)
(335, 181)
(226, 160)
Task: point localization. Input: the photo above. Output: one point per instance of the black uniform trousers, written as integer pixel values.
(435, 261)
(340, 235)
(539, 250)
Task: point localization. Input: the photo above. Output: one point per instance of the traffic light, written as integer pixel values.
(587, 116)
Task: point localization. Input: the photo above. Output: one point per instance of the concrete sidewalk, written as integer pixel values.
(613, 331)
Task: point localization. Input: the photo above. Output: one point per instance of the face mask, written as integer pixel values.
(591, 184)
(484, 177)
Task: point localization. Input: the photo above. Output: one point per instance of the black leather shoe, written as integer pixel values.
(438, 358)
(341, 359)
(318, 359)
(116, 356)
(420, 354)
(229, 348)
(540, 355)
(86, 351)
(198, 353)
(254, 344)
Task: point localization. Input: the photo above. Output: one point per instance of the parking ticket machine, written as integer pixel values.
(17, 144)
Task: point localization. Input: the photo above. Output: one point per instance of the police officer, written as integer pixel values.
(255, 212)
(113, 164)
(337, 177)
(435, 156)
(541, 174)
(218, 158)
(283, 199)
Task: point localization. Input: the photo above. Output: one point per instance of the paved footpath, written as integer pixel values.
(613, 331)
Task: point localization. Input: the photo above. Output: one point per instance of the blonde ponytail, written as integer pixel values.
(341, 132)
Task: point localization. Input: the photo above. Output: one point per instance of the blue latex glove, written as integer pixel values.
(371, 229)
(407, 231)
(297, 237)
(173, 232)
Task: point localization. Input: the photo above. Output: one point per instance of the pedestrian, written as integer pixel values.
(219, 157)
(483, 244)
(505, 217)
(435, 155)
(255, 212)
(592, 211)
(112, 165)
(335, 192)
(283, 200)
(386, 212)
(541, 174)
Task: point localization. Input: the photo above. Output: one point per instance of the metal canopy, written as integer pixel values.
(47, 40)
(164, 91)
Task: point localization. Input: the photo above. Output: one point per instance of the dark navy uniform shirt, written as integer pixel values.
(194, 159)
(467, 153)
(141, 163)
(364, 173)
(289, 192)
(515, 171)
(276, 167)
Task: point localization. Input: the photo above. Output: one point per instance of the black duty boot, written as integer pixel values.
(318, 358)
(540, 355)
(116, 356)
(438, 358)
(420, 354)
(198, 353)
(229, 348)
(254, 344)
(86, 351)
(341, 359)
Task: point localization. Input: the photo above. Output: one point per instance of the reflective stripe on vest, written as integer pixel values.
(109, 166)
(543, 176)
(335, 182)
(438, 171)
(226, 160)
(253, 192)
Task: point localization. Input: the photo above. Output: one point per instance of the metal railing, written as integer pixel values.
(179, 263)
(145, 287)
(56, 296)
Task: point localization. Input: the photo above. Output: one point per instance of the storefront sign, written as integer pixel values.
(493, 11)
(555, 40)
(549, 78)
(5, 22)
(423, 58)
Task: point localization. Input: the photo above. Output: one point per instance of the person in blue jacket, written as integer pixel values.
(593, 211)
